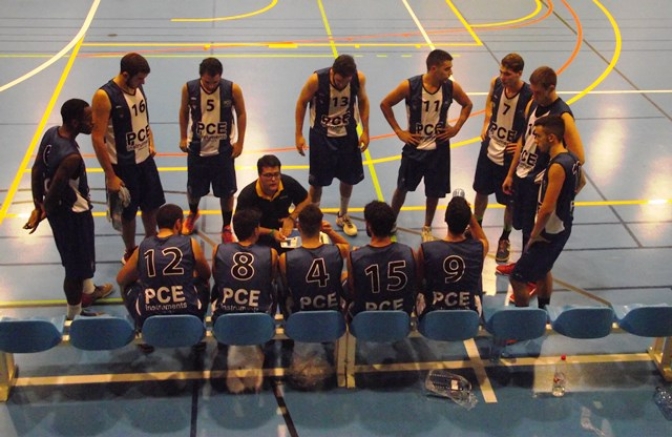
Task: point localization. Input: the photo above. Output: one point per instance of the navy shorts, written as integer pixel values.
(331, 158)
(144, 184)
(538, 260)
(525, 198)
(217, 170)
(433, 166)
(74, 236)
(490, 176)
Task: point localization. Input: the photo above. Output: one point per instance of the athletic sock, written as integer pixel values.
(543, 301)
(345, 201)
(226, 217)
(505, 234)
(88, 286)
(73, 310)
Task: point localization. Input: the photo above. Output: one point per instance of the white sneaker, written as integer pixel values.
(426, 234)
(349, 228)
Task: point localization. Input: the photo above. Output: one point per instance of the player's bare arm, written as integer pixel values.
(183, 117)
(488, 110)
(572, 138)
(402, 91)
(101, 107)
(364, 110)
(241, 120)
(463, 100)
(307, 92)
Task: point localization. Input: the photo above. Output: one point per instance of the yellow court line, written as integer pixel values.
(614, 58)
(232, 17)
(327, 28)
(270, 44)
(38, 132)
(465, 23)
(78, 38)
(516, 21)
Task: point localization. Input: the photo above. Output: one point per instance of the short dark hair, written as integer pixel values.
(437, 57)
(211, 66)
(380, 217)
(544, 76)
(458, 215)
(168, 215)
(267, 161)
(73, 110)
(245, 221)
(552, 124)
(310, 220)
(514, 62)
(134, 63)
(345, 66)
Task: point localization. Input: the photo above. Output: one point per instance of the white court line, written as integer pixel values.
(417, 23)
(59, 55)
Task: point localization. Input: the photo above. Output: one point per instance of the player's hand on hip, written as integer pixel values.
(408, 138)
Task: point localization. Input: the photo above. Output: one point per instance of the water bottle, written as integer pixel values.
(560, 378)
(663, 398)
(441, 383)
(458, 192)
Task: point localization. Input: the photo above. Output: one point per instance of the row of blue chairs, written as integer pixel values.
(510, 323)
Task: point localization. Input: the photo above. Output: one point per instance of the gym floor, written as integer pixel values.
(610, 56)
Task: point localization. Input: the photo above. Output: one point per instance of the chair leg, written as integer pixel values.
(661, 354)
(341, 359)
(7, 374)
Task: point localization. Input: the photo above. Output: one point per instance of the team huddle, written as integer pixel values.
(530, 158)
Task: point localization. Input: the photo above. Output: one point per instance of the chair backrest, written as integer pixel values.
(100, 333)
(453, 325)
(516, 323)
(381, 326)
(315, 326)
(645, 320)
(176, 330)
(244, 329)
(581, 321)
(22, 336)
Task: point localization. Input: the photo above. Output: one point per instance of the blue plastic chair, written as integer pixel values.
(99, 333)
(173, 330)
(23, 336)
(581, 321)
(453, 325)
(645, 320)
(515, 323)
(244, 329)
(381, 326)
(315, 326)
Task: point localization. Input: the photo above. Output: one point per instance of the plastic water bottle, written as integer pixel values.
(458, 192)
(560, 378)
(663, 398)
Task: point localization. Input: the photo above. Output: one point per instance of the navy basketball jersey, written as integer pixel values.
(212, 121)
(332, 111)
(384, 278)
(453, 274)
(314, 278)
(532, 162)
(53, 149)
(427, 113)
(243, 279)
(127, 135)
(166, 269)
(507, 122)
(561, 219)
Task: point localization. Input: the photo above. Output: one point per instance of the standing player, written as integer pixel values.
(451, 269)
(167, 274)
(561, 181)
(529, 163)
(426, 152)
(335, 148)
(124, 146)
(504, 123)
(61, 194)
(311, 273)
(382, 275)
(214, 141)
